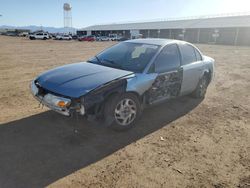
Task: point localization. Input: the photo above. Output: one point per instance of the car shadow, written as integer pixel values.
(40, 149)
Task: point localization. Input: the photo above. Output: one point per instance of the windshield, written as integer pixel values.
(127, 56)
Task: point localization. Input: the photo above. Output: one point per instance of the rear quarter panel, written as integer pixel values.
(191, 75)
(209, 65)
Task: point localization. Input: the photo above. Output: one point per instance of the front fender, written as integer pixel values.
(96, 97)
(140, 83)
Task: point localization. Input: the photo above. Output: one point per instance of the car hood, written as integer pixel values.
(75, 80)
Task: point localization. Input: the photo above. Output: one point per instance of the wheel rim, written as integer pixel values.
(125, 112)
(203, 86)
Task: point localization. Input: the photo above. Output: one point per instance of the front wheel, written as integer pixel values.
(122, 111)
(201, 88)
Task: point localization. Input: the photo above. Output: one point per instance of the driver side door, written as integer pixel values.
(168, 82)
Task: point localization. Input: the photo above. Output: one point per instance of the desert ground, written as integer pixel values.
(182, 143)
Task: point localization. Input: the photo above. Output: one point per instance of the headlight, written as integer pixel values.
(57, 101)
(34, 89)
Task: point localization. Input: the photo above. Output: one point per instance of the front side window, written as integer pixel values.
(187, 53)
(127, 56)
(168, 59)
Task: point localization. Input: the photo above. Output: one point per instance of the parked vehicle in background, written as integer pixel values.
(122, 39)
(136, 36)
(53, 35)
(102, 38)
(23, 34)
(74, 37)
(63, 37)
(89, 38)
(116, 37)
(11, 34)
(113, 37)
(117, 84)
(80, 38)
(40, 35)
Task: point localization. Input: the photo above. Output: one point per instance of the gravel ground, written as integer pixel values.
(181, 143)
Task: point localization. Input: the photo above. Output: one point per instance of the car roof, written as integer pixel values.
(154, 41)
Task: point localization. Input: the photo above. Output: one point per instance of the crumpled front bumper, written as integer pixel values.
(44, 101)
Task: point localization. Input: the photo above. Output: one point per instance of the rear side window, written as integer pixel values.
(198, 55)
(187, 53)
(168, 59)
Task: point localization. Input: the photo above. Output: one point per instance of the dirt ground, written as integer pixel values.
(205, 143)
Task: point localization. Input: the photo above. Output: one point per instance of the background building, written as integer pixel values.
(229, 30)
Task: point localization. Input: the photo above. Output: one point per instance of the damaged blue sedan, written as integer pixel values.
(117, 84)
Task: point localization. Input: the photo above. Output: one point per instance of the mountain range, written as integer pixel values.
(33, 28)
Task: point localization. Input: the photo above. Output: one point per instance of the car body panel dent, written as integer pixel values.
(96, 97)
(166, 86)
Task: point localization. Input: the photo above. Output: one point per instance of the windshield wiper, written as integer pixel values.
(113, 63)
(90, 61)
(109, 61)
(98, 60)
(94, 61)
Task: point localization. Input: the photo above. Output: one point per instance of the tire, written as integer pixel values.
(122, 111)
(44, 38)
(201, 88)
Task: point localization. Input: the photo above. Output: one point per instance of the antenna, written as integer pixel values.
(67, 18)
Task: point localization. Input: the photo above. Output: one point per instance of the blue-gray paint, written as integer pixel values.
(140, 82)
(75, 80)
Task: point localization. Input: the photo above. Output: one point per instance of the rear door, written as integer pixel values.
(191, 62)
(168, 82)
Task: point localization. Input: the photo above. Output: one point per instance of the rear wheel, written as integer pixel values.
(121, 112)
(201, 88)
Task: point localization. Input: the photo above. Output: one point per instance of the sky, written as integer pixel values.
(92, 12)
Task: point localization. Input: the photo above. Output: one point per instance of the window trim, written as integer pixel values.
(196, 50)
(151, 68)
(194, 53)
